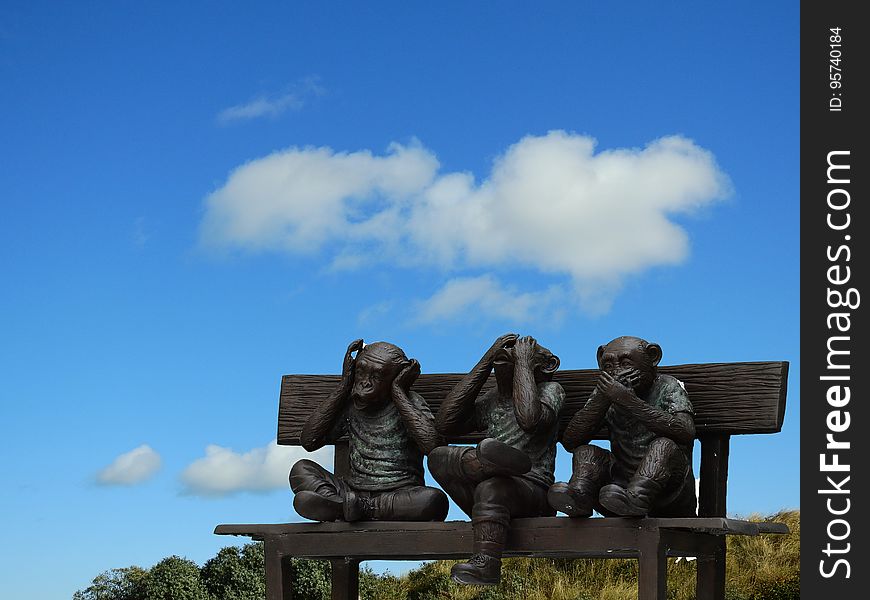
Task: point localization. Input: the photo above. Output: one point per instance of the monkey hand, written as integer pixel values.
(347, 365)
(613, 389)
(525, 350)
(407, 376)
(502, 343)
(629, 378)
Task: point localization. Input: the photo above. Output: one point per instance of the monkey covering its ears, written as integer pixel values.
(389, 428)
(652, 429)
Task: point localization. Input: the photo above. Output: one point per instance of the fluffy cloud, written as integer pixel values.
(550, 203)
(222, 471)
(299, 199)
(131, 468)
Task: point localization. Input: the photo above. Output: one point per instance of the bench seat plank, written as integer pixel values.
(544, 536)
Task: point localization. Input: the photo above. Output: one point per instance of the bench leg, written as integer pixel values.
(652, 581)
(278, 581)
(345, 579)
(710, 584)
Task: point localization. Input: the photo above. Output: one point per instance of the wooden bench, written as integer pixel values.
(729, 399)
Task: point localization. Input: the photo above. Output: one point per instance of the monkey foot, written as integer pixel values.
(481, 569)
(623, 502)
(498, 458)
(316, 507)
(571, 501)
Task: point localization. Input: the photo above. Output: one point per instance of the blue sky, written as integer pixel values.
(164, 255)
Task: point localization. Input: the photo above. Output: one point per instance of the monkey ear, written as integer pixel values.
(599, 355)
(552, 365)
(655, 353)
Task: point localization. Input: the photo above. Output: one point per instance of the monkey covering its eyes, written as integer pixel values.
(652, 430)
(389, 429)
(507, 475)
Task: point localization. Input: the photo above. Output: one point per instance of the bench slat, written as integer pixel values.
(718, 525)
(544, 536)
(729, 398)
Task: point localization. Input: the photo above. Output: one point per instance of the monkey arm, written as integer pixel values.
(586, 422)
(315, 432)
(527, 405)
(679, 426)
(418, 419)
(456, 414)
(321, 424)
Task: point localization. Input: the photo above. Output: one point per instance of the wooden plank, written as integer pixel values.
(278, 577)
(572, 528)
(652, 577)
(710, 582)
(714, 475)
(341, 459)
(687, 543)
(766, 527)
(610, 542)
(345, 579)
(731, 398)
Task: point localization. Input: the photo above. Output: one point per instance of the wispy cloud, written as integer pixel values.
(131, 468)
(223, 471)
(141, 233)
(272, 105)
(486, 295)
(550, 203)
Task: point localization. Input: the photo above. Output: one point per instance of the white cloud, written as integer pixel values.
(222, 471)
(271, 105)
(299, 199)
(550, 203)
(486, 295)
(131, 468)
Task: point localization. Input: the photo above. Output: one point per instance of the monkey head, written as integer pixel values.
(543, 362)
(626, 354)
(375, 368)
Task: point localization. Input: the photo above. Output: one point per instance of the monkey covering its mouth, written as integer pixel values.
(648, 470)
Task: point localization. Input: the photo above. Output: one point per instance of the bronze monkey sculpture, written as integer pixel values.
(390, 428)
(650, 419)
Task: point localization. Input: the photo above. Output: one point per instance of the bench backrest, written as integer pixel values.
(728, 398)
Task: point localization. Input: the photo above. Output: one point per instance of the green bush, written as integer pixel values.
(174, 578)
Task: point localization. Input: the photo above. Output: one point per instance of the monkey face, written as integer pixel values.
(374, 370)
(371, 383)
(625, 355)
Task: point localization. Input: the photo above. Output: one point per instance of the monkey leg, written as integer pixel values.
(590, 471)
(661, 485)
(459, 468)
(318, 494)
(496, 501)
(412, 503)
(666, 463)
(446, 465)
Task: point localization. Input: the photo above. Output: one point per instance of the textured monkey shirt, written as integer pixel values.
(383, 455)
(630, 438)
(498, 419)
